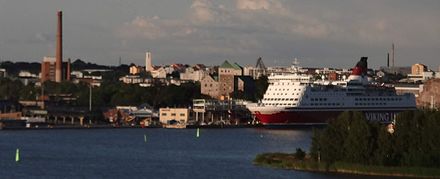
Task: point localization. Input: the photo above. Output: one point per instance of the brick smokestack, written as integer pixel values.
(59, 49)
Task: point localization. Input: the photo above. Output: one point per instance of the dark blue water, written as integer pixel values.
(168, 153)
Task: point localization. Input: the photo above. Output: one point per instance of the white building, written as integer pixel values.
(254, 72)
(131, 79)
(27, 74)
(192, 74)
(159, 73)
(3, 72)
(423, 76)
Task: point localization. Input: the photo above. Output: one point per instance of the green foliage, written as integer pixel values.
(300, 154)
(315, 149)
(13, 68)
(351, 138)
(108, 94)
(357, 145)
(11, 89)
(288, 161)
(332, 139)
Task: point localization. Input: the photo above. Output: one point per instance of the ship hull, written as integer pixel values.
(297, 117)
(320, 117)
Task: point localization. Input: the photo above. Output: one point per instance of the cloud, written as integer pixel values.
(268, 16)
(251, 27)
(154, 28)
(253, 4)
(202, 11)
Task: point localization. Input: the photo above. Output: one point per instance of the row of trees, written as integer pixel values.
(351, 138)
(117, 93)
(108, 94)
(16, 90)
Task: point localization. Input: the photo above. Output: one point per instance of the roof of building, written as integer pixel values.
(226, 64)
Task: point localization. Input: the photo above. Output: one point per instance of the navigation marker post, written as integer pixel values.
(17, 155)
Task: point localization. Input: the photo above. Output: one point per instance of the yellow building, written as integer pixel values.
(136, 70)
(173, 115)
(418, 69)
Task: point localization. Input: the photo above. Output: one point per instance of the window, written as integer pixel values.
(164, 114)
(182, 114)
(173, 114)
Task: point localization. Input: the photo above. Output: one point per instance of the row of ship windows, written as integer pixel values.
(283, 93)
(282, 83)
(295, 80)
(325, 104)
(318, 99)
(284, 89)
(282, 99)
(279, 104)
(378, 99)
(363, 104)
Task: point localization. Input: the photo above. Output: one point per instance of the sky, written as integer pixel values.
(319, 33)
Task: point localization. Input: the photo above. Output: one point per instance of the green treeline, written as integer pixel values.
(110, 93)
(350, 138)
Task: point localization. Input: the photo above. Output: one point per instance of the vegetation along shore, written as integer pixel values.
(351, 144)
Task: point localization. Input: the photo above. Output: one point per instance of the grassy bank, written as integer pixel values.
(288, 161)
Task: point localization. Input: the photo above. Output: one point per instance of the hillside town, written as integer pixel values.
(174, 95)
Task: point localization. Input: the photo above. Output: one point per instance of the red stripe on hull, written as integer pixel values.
(293, 117)
(318, 117)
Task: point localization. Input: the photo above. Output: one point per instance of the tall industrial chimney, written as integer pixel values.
(392, 60)
(388, 60)
(59, 49)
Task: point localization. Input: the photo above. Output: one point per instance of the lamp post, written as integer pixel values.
(90, 97)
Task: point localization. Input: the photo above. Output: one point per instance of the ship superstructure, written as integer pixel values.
(298, 99)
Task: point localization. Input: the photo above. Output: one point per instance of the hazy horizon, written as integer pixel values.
(319, 33)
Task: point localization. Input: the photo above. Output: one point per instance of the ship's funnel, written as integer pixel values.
(361, 67)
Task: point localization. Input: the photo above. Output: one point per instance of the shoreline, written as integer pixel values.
(288, 161)
(130, 127)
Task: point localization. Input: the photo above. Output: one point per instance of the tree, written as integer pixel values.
(333, 138)
(358, 145)
(300, 154)
(9, 89)
(351, 138)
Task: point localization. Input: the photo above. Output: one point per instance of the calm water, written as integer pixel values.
(168, 153)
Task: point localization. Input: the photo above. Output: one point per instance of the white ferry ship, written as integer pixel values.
(297, 99)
